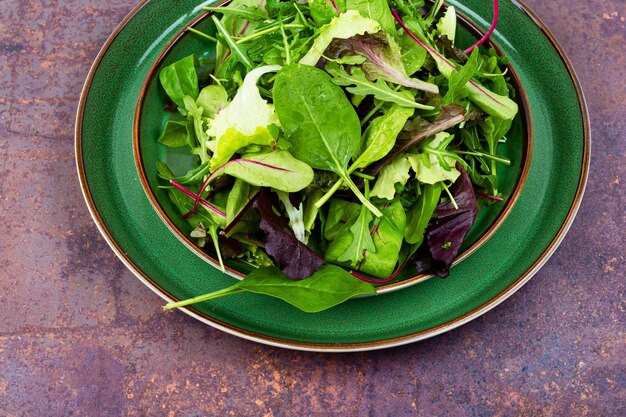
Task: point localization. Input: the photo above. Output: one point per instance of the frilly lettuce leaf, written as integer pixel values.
(345, 26)
(245, 121)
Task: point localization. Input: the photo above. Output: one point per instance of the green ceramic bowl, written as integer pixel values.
(122, 101)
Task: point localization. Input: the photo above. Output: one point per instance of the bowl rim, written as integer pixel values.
(468, 24)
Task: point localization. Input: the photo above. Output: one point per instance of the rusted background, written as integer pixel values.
(79, 335)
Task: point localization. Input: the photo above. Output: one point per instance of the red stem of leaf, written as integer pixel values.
(381, 281)
(491, 197)
(240, 215)
(335, 6)
(195, 197)
(494, 23)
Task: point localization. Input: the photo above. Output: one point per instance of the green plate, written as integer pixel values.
(525, 240)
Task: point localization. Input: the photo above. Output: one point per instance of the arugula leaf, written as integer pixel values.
(295, 259)
(180, 79)
(362, 242)
(175, 134)
(457, 81)
(326, 288)
(345, 26)
(419, 216)
(359, 85)
(245, 121)
(322, 126)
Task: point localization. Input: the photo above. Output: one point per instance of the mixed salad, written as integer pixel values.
(336, 141)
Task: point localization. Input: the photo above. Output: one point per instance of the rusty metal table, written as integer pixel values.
(79, 335)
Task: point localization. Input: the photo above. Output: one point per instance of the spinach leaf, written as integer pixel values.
(212, 100)
(356, 83)
(295, 259)
(180, 79)
(326, 288)
(420, 215)
(176, 134)
(322, 126)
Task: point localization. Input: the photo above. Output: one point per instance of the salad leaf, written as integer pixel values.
(296, 217)
(328, 287)
(295, 259)
(339, 212)
(397, 172)
(419, 216)
(361, 242)
(447, 24)
(450, 116)
(245, 121)
(388, 235)
(277, 169)
(180, 79)
(428, 169)
(176, 134)
(194, 176)
(345, 26)
(356, 83)
(446, 233)
(322, 126)
(323, 11)
(238, 198)
(212, 100)
(458, 80)
(377, 10)
(383, 59)
(380, 137)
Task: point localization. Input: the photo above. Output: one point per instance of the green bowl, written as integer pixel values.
(150, 119)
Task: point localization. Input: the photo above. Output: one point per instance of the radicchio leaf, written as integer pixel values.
(295, 259)
(446, 233)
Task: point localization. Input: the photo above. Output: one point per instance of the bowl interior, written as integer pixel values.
(150, 119)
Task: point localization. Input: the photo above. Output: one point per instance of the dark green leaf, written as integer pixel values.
(180, 79)
(421, 214)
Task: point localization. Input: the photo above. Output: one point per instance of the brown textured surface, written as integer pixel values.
(79, 335)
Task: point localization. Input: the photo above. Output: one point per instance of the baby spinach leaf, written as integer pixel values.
(212, 100)
(345, 26)
(180, 79)
(322, 126)
(326, 288)
(420, 215)
(176, 134)
(356, 83)
(295, 259)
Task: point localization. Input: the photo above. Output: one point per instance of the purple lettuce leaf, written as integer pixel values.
(447, 231)
(294, 258)
(383, 59)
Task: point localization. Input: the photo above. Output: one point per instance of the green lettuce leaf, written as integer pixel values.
(246, 121)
